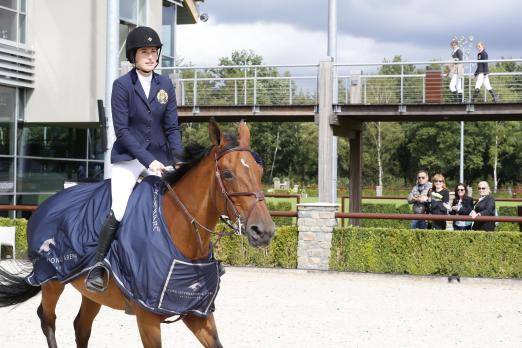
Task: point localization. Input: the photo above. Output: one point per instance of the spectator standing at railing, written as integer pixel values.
(485, 206)
(462, 205)
(482, 74)
(456, 72)
(438, 198)
(419, 198)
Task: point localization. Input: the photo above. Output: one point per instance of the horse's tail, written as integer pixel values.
(13, 287)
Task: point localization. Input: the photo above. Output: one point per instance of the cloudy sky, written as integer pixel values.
(295, 31)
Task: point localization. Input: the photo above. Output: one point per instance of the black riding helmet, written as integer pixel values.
(141, 37)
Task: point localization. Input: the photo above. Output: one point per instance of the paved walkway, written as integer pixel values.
(291, 308)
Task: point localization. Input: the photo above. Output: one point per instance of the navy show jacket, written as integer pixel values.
(146, 128)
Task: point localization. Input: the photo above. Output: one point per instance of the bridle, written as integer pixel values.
(239, 221)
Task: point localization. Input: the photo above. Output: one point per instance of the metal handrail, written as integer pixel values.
(428, 217)
(398, 93)
(431, 62)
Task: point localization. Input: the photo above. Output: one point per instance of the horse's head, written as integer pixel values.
(239, 182)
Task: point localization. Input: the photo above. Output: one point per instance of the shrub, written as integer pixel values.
(283, 206)
(21, 234)
(388, 209)
(282, 251)
(507, 226)
(427, 252)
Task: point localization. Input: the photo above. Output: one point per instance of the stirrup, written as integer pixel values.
(92, 281)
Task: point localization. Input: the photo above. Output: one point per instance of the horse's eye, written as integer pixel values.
(227, 174)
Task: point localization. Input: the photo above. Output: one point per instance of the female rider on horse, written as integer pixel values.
(148, 136)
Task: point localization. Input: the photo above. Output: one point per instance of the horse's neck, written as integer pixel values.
(196, 192)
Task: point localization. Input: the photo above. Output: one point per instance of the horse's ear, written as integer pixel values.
(244, 134)
(216, 136)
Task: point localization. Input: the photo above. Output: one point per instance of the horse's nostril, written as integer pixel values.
(256, 230)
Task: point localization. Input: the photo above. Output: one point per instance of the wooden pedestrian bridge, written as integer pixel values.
(340, 98)
(399, 91)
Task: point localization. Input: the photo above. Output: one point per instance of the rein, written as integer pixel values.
(240, 220)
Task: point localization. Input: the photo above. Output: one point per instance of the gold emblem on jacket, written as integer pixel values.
(162, 96)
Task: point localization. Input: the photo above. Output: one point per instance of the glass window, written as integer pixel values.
(7, 113)
(133, 13)
(6, 175)
(7, 24)
(61, 142)
(94, 143)
(21, 28)
(12, 20)
(8, 3)
(168, 34)
(129, 11)
(46, 175)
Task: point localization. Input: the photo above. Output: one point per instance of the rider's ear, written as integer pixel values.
(244, 134)
(216, 136)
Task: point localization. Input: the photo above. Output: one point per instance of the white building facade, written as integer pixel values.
(52, 74)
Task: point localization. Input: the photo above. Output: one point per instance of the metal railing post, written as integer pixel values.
(235, 92)
(290, 90)
(255, 86)
(346, 92)
(364, 84)
(424, 89)
(402, 83)
(245, 84)
(195, 89)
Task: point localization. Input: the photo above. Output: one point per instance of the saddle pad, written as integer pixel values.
(62, 236)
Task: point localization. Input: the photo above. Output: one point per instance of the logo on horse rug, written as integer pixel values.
(144, 262)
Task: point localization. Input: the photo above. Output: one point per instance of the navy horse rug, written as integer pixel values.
(149, 269)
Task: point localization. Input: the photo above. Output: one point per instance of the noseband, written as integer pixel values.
(259, 195)
(239, 220)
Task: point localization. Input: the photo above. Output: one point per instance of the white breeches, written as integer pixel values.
(483, 79)
(456, 84)
(124, 176)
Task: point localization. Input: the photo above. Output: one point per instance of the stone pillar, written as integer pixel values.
(316, 222)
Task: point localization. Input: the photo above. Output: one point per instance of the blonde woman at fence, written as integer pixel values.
(485, 206)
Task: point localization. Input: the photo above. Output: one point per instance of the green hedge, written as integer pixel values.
(21, 240)
(282, 251)
(283, 206)
(507, 226)
(427, 252)
(386, 209)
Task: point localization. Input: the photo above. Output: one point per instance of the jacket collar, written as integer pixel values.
(154, 85)
(134, 77)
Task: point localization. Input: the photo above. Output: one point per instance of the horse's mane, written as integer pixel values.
(193, 154)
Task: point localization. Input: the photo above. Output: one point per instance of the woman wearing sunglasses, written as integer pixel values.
(485, 206)
(462, 205)
(439, 201)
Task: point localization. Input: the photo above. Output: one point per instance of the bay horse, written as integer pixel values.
(223, 179)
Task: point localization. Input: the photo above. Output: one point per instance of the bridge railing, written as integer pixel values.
(358, 83)
(246, 85)
(424, 82)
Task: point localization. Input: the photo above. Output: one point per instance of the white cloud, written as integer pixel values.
(205, 43)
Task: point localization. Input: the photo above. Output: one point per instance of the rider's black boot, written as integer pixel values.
(459, 98)
(494, 95)
(98, 276)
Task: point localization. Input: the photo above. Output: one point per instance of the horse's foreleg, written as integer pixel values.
(204, 329)
(51, 292)
(83, 321)
(149, 327)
